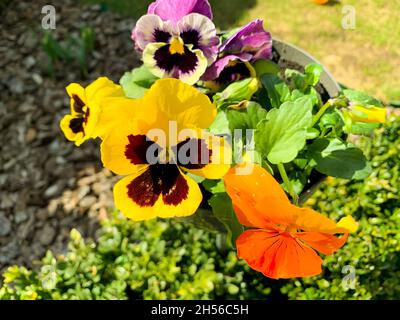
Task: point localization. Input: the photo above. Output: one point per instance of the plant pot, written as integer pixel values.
(285, 55)
(300, 57)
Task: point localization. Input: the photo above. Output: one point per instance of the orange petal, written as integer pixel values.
(277, 255)
(259, 196)
(309, 220)
(324, 243)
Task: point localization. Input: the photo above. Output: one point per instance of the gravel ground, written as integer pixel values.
(47, 186)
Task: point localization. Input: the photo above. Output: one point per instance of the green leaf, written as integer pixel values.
(339, 159)
(265, 66)
(312, 133)
(221, 124)
(296, 78)
(195, 177)
(214, 186)
(283, 134)
(313, 73)
(248, 118)
(331, 118)
(307, 80)
(361, 128)
(278, 91)
(361, 98)
(222, 208)
(136, 82)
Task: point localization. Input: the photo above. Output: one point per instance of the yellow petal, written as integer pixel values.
(151, 204)
(78, 138)
(182, 103)
(119, 112)
(92, 120)
(126, 205)
(348, 223)
(368, 115)
(76, 89)
(186, 207)
(103, 88)
(113, 149)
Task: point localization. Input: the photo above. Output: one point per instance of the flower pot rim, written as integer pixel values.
(297, 55)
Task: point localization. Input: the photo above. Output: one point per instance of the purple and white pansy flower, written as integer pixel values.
(178, 39)
(249, 44)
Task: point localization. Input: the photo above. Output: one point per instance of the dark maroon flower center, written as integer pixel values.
(81, 117)
(163, 179)
(174, 62)
(161, 36)
(192, 37)
(159, 179)
(237, 72)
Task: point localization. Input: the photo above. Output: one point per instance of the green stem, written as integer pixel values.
(287, 183)
(321, 112)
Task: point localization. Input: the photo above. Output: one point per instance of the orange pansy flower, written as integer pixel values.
(284, 237)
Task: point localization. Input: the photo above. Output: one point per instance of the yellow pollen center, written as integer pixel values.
(232, 63)
(176, 46)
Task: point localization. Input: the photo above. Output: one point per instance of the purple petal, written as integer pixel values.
(174, 10)
(216, 68)
(251, 38)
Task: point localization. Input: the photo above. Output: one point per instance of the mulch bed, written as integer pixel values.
(47, 185)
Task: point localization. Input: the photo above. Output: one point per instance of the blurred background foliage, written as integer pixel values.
(170, 260)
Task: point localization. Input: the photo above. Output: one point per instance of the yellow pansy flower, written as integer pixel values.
(88, 118)
(158, 187)
(368, 114)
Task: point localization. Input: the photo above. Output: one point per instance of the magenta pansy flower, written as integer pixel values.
(178, 39)
(251, 43)
(174, 10)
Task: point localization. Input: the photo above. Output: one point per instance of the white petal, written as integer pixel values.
(146, 26)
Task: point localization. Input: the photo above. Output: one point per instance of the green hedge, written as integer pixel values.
(151, 260)
(171, 260)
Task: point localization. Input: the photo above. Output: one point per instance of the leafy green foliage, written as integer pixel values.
(222, 208)
(266, 66)
(361, 98)
(136, 82)
(151, 260)
(304, 81)
(337, 158)
(248, 118)
(277, 90)
(283, 134)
